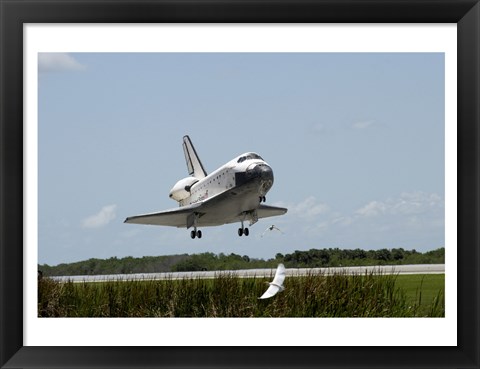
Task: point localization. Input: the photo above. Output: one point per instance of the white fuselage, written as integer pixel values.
(235, 173)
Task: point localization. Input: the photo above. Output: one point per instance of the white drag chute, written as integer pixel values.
(277, 284)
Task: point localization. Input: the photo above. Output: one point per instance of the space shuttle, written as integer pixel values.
(235, 192)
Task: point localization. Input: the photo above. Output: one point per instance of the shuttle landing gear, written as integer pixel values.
(243, 231)
(192, 221)
(253, 217)
(263, 199)
(196, 233)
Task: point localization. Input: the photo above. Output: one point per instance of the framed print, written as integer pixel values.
(231, 29)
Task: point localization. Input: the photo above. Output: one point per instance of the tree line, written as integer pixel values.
(331, 257)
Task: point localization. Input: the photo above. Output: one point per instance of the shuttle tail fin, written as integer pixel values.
(194, 165)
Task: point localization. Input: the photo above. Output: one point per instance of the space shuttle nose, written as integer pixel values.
(258, 173)
(261, 171)
(263, 175)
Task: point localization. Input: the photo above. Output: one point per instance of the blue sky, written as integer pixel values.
(356, 143)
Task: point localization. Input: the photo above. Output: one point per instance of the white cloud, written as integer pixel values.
(57, 62)
(416, 203)
(408, 216)
(373, 208)
(409, 203)
(362, 125)
(102, 218)
(308, 208)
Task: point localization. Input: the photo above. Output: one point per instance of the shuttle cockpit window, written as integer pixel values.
(255, 156)
(249, 157)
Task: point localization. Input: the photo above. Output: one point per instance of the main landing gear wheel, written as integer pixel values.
(263, 199)
(243, 231)
(194, 234)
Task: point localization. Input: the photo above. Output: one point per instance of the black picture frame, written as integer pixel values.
(15, 13)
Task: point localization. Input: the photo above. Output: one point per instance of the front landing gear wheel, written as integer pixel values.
(243, 231)
(196, 233)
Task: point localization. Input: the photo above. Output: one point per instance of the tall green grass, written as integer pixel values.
(314, 295)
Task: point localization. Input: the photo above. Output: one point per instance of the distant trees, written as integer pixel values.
(127, 265)
(210, 261)
(331, 257)
(311, 258)
(338, 257)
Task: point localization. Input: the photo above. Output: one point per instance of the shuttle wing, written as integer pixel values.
(213, 211)
(173, 217)
(265, 211)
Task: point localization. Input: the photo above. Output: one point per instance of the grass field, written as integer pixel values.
(340, 295)
(426, 290)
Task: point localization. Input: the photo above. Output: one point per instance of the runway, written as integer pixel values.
(260, 273)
